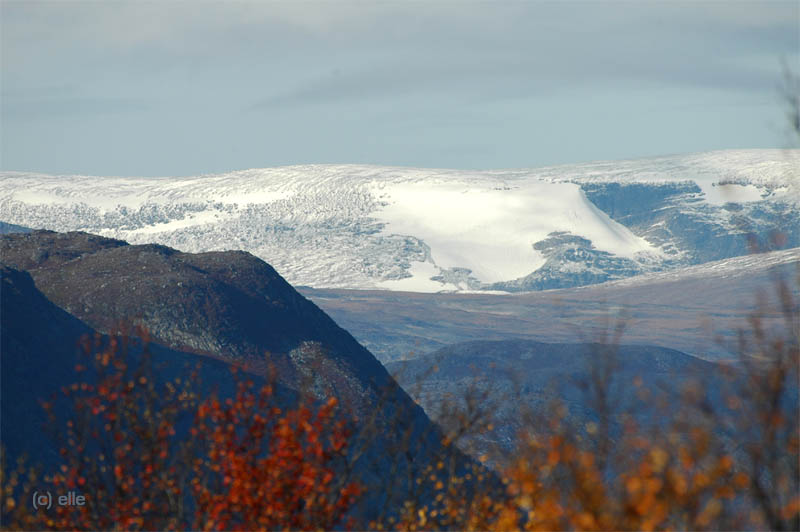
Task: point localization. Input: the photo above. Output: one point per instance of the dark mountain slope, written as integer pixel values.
(39, 347)
(231, 305)
(218, 308)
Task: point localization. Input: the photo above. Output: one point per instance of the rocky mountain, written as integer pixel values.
(230, 305)
(431, 230)
(216, 308)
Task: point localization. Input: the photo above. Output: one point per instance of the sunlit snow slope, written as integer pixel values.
(353, 226)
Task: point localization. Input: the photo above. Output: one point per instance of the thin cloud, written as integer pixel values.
(230, 84)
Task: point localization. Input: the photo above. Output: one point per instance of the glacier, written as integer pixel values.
(432, 230)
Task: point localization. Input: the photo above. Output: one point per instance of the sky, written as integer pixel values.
(185, 88)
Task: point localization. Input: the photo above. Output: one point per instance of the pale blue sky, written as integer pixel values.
(180, 88)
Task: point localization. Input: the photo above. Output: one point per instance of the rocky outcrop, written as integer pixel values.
(218, 308)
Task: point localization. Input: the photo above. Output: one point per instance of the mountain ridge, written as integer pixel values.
(217, 302)
(219, 309)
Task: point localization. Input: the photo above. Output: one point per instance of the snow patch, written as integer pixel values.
(722, 193)
(491, 230)
(191, 220)
(420, 280)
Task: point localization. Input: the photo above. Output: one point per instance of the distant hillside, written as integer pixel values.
(685, 309)
(523, 379)
(6, 228)
(430, 230)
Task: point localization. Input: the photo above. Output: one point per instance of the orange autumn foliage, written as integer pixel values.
(244, 463)
(294, 484)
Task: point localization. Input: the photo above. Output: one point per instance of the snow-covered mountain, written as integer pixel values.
(356, 226)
